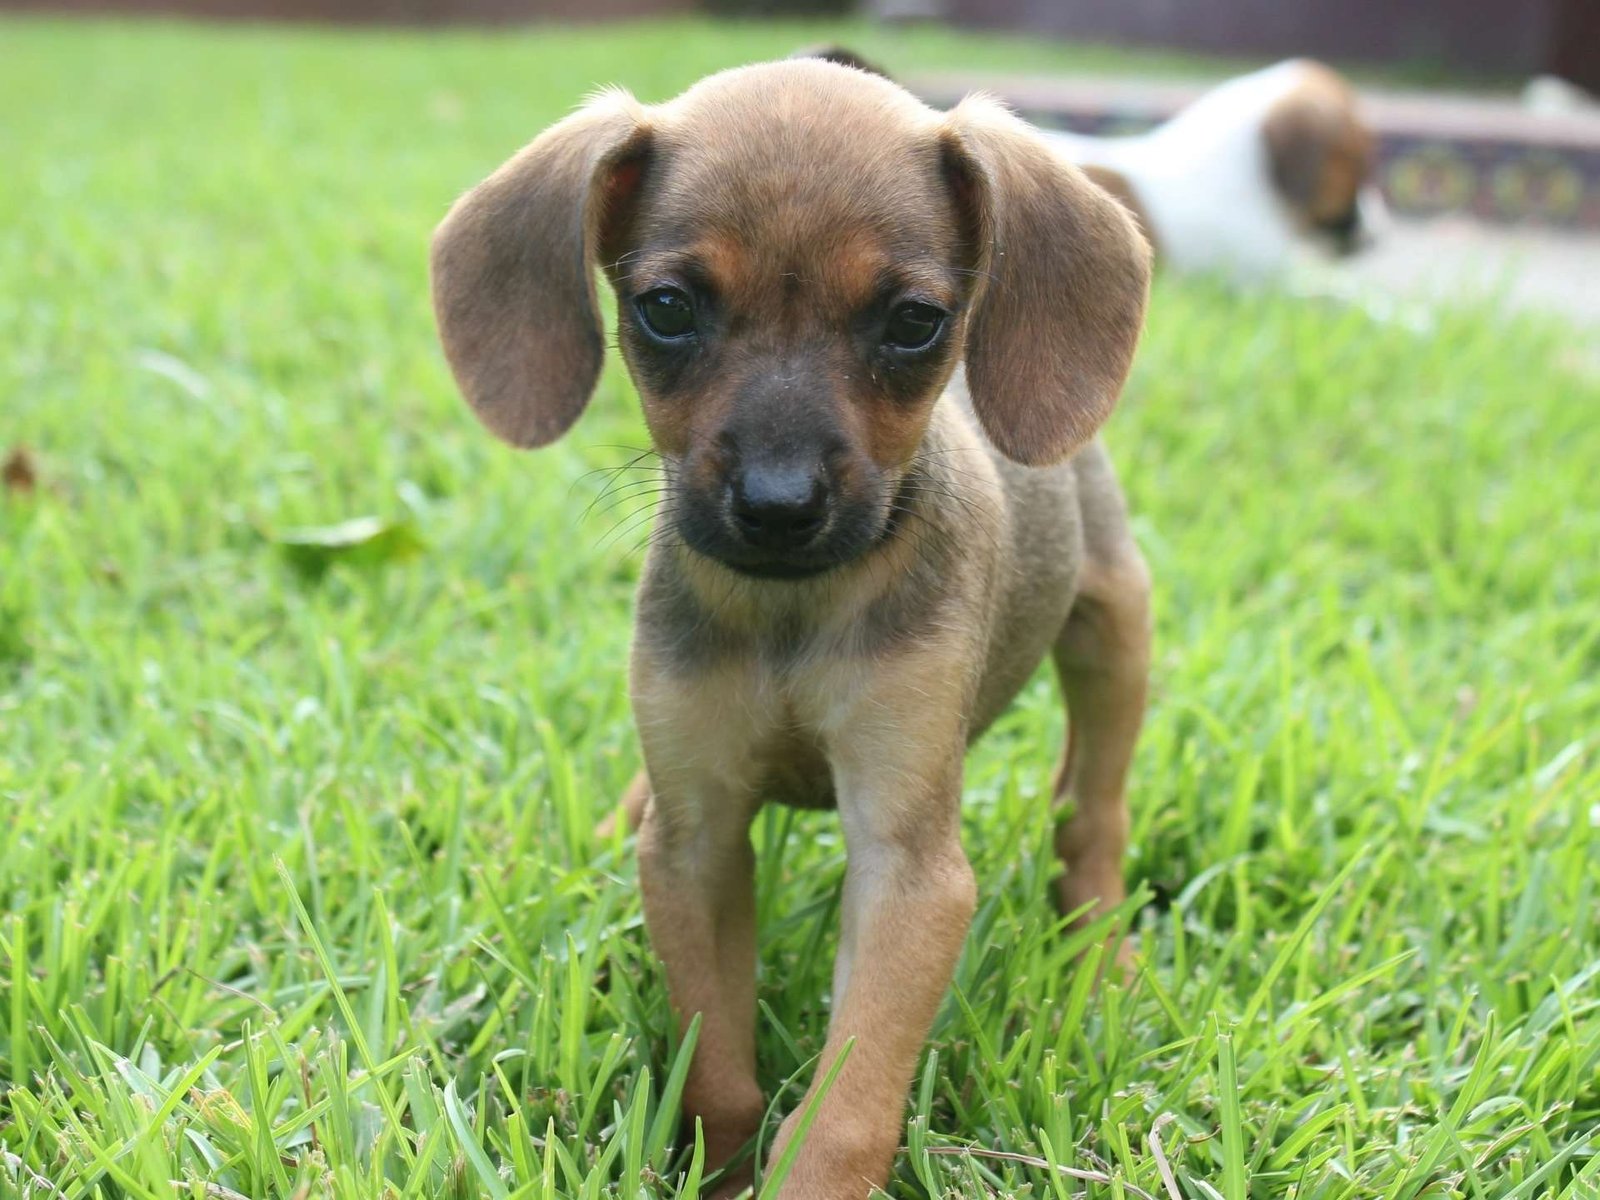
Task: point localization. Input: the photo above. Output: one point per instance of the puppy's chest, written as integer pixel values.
(759, 682)
(763, 727)
(790, 766)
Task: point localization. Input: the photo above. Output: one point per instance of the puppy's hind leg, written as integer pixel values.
(1103, 659)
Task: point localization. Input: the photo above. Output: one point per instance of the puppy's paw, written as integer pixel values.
(837, 1161)
(736, 1183)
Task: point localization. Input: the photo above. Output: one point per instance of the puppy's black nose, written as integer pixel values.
(779, 506)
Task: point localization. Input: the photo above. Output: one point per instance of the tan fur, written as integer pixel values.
(794, 194)
(1319, 148)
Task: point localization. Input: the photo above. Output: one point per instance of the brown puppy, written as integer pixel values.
(855, 571)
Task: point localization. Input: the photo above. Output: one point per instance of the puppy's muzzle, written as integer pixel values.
(779, 507)
(1360, 226)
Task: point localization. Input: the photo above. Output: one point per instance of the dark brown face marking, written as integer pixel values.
(798, 234)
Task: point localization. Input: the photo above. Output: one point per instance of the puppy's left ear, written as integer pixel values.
(1063, 273)
(513, 270)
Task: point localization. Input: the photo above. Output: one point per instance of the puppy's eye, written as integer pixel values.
(666, 312)
(912, 326)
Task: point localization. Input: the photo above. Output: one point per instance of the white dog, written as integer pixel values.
(1249, 176)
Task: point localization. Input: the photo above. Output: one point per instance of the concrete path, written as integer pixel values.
(1453, 259)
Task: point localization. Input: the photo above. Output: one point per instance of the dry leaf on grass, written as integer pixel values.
(19, 473)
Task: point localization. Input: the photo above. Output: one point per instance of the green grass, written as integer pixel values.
(300, 893)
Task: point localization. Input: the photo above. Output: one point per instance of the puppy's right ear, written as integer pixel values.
(513, 269)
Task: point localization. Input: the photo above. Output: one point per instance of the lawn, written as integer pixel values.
(300, 891)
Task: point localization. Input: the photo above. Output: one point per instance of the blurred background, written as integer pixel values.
(1499, 37)
(1486, 127)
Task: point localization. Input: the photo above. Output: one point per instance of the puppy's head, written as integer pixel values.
(801, 254)
(1320, 152)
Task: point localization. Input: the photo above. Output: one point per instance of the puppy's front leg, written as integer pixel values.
(909, 895)
(697, 873)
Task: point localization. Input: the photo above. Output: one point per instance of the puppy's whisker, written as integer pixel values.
(611, 471)
(629, 256)
(928, 487)
(927, 457)
(614, 475)
(929, 490)
(651, 496)
(923, 463)
(979, 523)
(620, 490)
(625, 528)
(627, 506)
(619, 484)
(644, 490)
(611, 477)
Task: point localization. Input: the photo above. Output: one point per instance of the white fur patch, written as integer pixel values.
(1204, 179)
